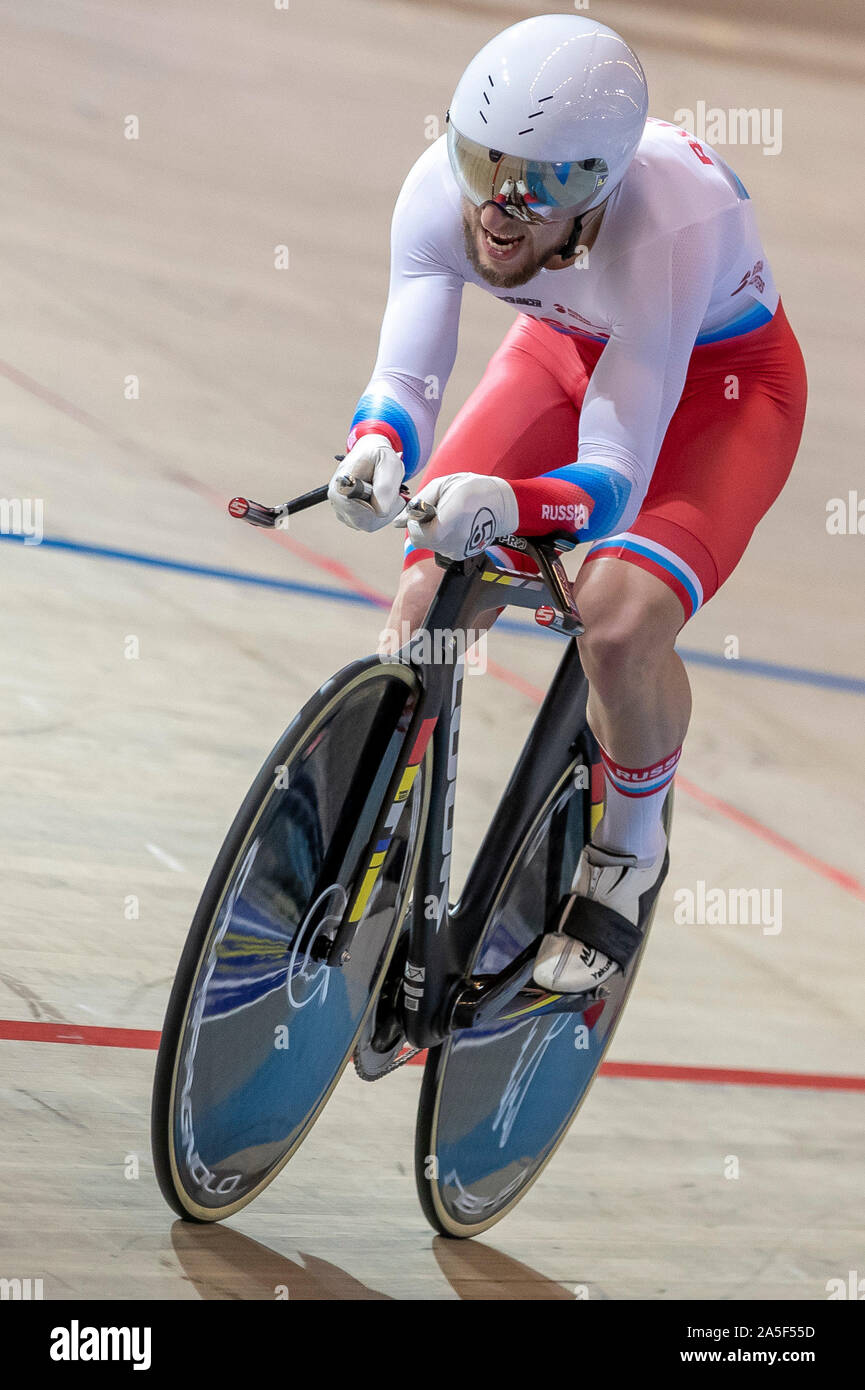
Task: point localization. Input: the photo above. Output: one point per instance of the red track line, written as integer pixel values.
(516, 682)
(27, 1030)
(732, 1076)
(148, 1040)
(820, 866)
(27, 383)
(844, 880)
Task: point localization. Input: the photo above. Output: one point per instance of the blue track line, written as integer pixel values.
(796, 675)
(263, 581)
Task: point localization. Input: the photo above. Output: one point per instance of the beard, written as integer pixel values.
(503, 279)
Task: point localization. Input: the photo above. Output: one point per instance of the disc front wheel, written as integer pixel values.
(260, 1023)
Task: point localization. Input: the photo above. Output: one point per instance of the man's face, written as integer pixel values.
(505, 251)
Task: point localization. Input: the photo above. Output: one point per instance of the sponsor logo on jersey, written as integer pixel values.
(563, 309)
(576, 513)
(573, 330)
(515, 299)
(751, 277)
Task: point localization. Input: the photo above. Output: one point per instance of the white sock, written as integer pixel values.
(634, 798)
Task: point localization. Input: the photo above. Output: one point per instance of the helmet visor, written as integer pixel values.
(534, 190)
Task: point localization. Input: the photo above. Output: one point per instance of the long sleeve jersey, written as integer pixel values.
(677, 263)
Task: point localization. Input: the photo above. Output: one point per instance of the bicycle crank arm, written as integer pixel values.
(486, 999)
(535, 1002)
(483, 995)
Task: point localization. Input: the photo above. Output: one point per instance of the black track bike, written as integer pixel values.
(325, 931)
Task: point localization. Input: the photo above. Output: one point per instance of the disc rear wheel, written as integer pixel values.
(496, 1102)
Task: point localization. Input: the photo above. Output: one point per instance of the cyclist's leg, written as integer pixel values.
(522, 419)
(639, 696)
(723, 463)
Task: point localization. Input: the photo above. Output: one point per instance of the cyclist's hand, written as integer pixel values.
(471, 510)
(373, 460)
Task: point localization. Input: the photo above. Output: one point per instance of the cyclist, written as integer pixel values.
(649, 399)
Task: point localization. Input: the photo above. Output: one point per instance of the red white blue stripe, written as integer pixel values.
(657, 559)
(753, 317)
(641, 781)
(377, 410)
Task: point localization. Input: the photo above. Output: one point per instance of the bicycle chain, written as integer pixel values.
(392, 1066)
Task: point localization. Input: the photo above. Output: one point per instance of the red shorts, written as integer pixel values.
(726, 455)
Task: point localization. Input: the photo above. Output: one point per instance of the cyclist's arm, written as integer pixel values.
(664, 289)
(419, 331)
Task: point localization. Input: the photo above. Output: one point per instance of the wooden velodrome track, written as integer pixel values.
(143, 685)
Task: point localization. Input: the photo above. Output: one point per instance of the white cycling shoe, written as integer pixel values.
(603, 922)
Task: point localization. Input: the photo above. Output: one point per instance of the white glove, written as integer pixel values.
(471, 510)
(374, 460)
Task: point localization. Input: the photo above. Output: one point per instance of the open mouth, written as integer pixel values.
(502, 248)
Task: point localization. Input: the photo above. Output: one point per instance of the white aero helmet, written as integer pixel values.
(547, 117)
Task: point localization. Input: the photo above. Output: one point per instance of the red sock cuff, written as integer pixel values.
(641, 781)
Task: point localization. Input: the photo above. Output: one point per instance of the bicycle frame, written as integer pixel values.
(437, 996)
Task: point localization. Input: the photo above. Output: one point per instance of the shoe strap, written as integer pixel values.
(595, 924)
(606, 858)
